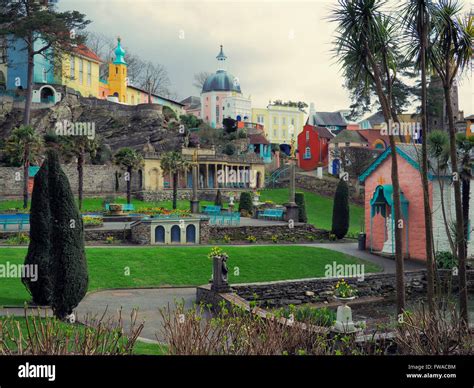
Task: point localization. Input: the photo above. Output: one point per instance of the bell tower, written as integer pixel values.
(118, 74)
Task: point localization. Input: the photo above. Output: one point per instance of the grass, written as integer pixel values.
(318, 208)
(140, 348)
(180, 266)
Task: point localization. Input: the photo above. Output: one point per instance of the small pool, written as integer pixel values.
(21, 216)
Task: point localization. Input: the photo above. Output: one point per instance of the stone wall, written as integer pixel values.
(98, 180)
(283, 293)
(327, 187)
(89, 234)
(299, 233)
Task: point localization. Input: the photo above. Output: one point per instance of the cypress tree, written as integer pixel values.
(299, 199)
(40, 239)
(340, 211)
(218, 200)
(245, 202)
(68, 259)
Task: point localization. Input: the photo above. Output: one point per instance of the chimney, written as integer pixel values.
(312, 111)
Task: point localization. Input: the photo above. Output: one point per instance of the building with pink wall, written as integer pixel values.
(222, 98)
(379, 222)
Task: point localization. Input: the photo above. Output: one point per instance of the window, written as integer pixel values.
(45, 75)
(307, 135)
(284, 120)
(292, 121)
(274, 120)
(81, 71)
(217, 113)
(89, 73)
(72, 66)
(283, 133)
(307, 153)
(274, 133)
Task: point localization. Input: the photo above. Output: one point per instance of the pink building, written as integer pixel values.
(379, 212)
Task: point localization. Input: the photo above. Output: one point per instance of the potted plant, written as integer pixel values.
(256, 198)
(345, 293)
(115, 208)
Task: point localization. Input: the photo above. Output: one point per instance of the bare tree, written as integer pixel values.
(200, 78)
(154, 79)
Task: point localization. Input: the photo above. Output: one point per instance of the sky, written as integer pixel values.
(277, 49)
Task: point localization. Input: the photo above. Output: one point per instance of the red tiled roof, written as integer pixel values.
(258, 139)
(371, 135)
(85, 51)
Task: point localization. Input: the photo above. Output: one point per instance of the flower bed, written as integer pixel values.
(92, 221)
(160, 211)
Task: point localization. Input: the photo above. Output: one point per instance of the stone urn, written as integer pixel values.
(256, 200)
(115, 209)
(344, 322)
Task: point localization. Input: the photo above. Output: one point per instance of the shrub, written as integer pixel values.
(18, 239)
(340, 213)
(445, 260)
(218, 200)
(245, 202)
(251, 239)
(314, 316)
(39, 250)
(169, 113)
(229, 149)
(299, 199)
(227, 239)
(274, 238)
(90, 221)
(68, 260)
(110, 239)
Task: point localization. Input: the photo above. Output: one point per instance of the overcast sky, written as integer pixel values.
(277, 49)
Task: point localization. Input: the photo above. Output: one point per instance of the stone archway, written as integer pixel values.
(47, 94)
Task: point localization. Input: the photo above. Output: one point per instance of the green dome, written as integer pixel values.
(119, 54)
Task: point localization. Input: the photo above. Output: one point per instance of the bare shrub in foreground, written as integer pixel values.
(439, 333)
(46, 335)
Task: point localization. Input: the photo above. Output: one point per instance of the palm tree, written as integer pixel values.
(465, 146)
(450, 54)
(79, 147)
(24, 144)
(173, 163)
(366, 46)
(416, 16)
(130, 160)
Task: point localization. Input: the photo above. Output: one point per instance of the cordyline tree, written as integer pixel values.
(366, 47)
(129, 160)
(24, 144)
(43, 30)
(416, 20)
(450, 53)
(173, 163)
(79, 147)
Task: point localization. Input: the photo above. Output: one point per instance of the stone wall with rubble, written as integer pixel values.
(283, 233)
(99, 180)
(284, 293)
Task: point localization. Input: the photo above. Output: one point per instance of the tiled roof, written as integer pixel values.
(348, 136)
(85, 51)
(328, 118)
(323, 132)
(371, 135)
(258, 139)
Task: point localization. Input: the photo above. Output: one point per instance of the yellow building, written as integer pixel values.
(279, 122)
(80, 71)
(118, 75)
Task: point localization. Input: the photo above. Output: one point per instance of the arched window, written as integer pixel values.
(175, 234)
(191, 234)
(159, 234)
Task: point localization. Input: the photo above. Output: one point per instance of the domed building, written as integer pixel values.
(221, 97)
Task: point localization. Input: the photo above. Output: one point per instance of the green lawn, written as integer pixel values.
(140, 348)
(160, 266)
(318, 208)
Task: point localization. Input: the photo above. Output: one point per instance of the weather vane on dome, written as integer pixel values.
(221, 56)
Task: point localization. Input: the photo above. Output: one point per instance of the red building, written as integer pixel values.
(313, 147)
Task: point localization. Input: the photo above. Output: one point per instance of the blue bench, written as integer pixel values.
(212, 209)
(272, 214)
(225, 218)
(14, 219)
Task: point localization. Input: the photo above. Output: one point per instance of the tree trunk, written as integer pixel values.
(460, 243)
(26, 165)
(466, 189)
(29, 81)
(175, 190)
(430, 265)
(129, 185)
(400, 280)
(80, 174)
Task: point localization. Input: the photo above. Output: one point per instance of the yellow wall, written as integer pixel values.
(85, 87)
(118, 81)
(277, 122)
